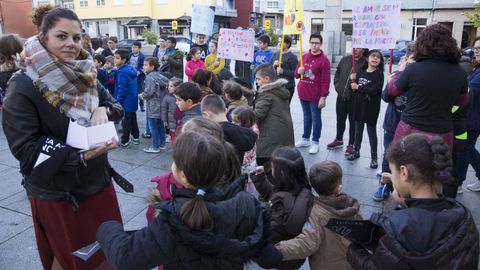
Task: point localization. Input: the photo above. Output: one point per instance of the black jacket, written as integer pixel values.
(430, 234)
(243, 139)
(234, 240)
(289, 64)
(341, 80)
(28, 118)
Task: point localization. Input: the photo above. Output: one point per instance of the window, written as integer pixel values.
(118, 2)
(83, 3)
(272, 4)
(100, 3)
(418, 26)
(68, 5)
(161, 2)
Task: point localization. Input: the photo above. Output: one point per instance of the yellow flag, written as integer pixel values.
(293, 18)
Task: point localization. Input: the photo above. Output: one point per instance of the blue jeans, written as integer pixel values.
(469, 156)
(312, 116)
(387, 140)
(158, 132)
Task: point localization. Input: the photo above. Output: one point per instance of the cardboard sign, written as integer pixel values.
(202, 20)
(236, 44)
(293, 17)
(376, 25)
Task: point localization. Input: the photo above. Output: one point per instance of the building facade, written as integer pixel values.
(129, 18)
(415, 16)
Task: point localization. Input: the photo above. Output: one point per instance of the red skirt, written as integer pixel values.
(59, 231)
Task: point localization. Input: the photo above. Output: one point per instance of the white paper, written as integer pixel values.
(236, 44)
(86, 138)
(202, 20)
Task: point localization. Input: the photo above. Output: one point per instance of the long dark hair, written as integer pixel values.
(381, 65)
(289, 170)
(193, 153)
(427, 158)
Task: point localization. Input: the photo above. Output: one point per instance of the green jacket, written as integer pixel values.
(274, 121)
(176, 64)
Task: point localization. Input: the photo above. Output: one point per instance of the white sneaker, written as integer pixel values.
(167, 140)
(475, 186)
(313, 149)
(302, 143)
(460, 190)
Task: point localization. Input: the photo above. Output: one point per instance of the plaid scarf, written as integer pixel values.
(68, 86)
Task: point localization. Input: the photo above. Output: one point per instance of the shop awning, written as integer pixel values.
(139, 23)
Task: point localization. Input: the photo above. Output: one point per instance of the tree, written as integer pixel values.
(475, 16)
(150, 37)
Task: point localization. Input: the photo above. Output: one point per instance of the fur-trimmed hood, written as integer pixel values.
(277, 87)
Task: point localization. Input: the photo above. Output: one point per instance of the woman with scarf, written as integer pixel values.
(70, 192)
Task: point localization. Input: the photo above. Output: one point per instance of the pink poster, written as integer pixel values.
(236, 44)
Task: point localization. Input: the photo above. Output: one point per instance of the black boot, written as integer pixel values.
(354, 155)
(374, 163)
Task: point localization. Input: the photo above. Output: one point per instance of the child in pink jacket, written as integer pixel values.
(194, 62)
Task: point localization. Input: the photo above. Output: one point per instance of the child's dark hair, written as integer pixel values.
(189, 90)
(138, 44)
(193, 153)
(172, 40)
(214, 42)
(192, 53)
(175, 81)
(124, 54)
(266, 70)
(114, 39)
(264, 39)
(45, 17)
(381, 65)
(202, 77)
(312, 36)
(100, 58)
(289, 170)
(233, 90)
(96, 43)
(207, 126)
(10, 45)
(325, 177)
(152, 61)
(428, 159)
(213, 103)
(245, 116)
(287, 40)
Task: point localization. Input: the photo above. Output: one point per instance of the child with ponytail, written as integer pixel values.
(432, 231)
(193, 230)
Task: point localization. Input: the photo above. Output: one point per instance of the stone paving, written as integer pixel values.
(17, 242)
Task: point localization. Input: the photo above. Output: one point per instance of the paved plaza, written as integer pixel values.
(17, 242)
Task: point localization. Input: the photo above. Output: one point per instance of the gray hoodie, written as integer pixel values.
(154, 92)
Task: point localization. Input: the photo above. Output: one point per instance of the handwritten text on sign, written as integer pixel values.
(236, 44)
(376, 26)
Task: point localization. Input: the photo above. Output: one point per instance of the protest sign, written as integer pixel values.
(236, 44)
(376, 25)
(293, 17)
(202, 20)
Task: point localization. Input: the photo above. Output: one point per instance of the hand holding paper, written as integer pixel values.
(87, 138)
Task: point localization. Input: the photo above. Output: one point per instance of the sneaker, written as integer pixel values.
(460, 190)
(302, 143)
(475, 186)
(167, 140)
(379, 172)
(125, 145)
(151, 150)
(354, 155)
(162, 147)
(136, 141)
(313, 149)
(349, 150)
(335, 144)
(373, 164)
(146, 135)
(381, 194)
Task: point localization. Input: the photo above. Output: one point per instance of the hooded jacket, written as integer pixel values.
(154, 93)
(126, 89)
(174, 63)
(274, 120)
(316, 77)
(234, 240)
(325, 248)
(168, 110)
(421, 238)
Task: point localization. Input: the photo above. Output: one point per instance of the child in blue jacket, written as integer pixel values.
(263, 55)
(126, 93)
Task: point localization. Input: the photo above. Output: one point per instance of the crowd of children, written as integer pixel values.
(238, 190)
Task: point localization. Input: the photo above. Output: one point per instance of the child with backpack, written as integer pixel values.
(432, 231)
(289, 197)
(367, 97)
